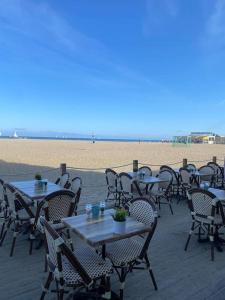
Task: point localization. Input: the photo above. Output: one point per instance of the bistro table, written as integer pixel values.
(34, 192)
(99, 232)
(220, 194)
(147, 180)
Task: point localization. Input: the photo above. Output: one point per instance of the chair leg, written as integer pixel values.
(32, 238)
(70, 240)
(47, 285)
(122, 282)
(14, 239)
(189, 236)
(151, 272)
(5, 232)
(211, 238)
(2, 230)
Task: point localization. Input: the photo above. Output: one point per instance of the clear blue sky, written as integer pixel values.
(116, 67)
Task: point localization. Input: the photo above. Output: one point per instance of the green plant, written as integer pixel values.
(38, 176)
(120, 215)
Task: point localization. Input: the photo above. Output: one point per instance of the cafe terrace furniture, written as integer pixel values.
(207, 215)
(34, 192)
(99, 233)
(147, 173)
(162, 193)
(207, 175)
(128, 255)
(185, 180)
(83, 268)
(113, 185)
(76, 187)
(218, 174)
(17, 213)
(55, 207)
(63, 180)
(175, 179)
(129, 187)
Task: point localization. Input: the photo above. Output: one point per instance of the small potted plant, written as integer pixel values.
(38, 178)
(119, 221)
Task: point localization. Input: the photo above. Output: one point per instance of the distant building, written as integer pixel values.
(201, 138)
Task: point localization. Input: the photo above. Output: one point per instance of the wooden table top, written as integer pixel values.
(220, 194)
(146, 179)
(194, 173)
(32, 191)
(97, 232)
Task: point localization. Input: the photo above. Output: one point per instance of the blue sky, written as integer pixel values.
(152, 68)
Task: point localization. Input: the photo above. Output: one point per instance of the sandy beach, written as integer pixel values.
(22, 158)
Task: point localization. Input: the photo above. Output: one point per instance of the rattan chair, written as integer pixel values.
(113, 185)
(185, 180)
(128, 186)
(218, 174)
(56, 206)
(76, 187)
(147, 172)
(176, 188)
(162, 190)
(17, 214)
(191, 167)
(203, 207)
(209, 177)
(132, 253)
(82, 268)
(63, 180)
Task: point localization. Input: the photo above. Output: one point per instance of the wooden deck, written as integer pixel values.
(179, 274)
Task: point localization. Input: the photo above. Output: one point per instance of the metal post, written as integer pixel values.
(214, 159)
(135, 166)
(63, 168)
(184, 162)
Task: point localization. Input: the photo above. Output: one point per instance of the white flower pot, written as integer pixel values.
(119, 227)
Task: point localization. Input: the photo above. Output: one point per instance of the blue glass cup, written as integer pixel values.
(95, 211)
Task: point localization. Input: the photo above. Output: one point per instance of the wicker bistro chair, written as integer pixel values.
(218, 174)
(76, 187)
(210, 175)
(175, 179)
(131, 253)
(185, 180)
(148, 172)
(191, 167)
(113, 185)
(163, 189)
(17, 213)
(55, 207)
(81, 268)
(63, 180)
(127, 184)
(203, 207)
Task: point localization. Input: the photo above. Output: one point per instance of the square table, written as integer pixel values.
(146, 179)
(98, 232)
(34, 192)
(220, 194)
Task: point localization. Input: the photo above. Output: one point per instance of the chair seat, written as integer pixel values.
(124, 251)
(217, 220)
(157, 193)
(94, 265)
(58, 226)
